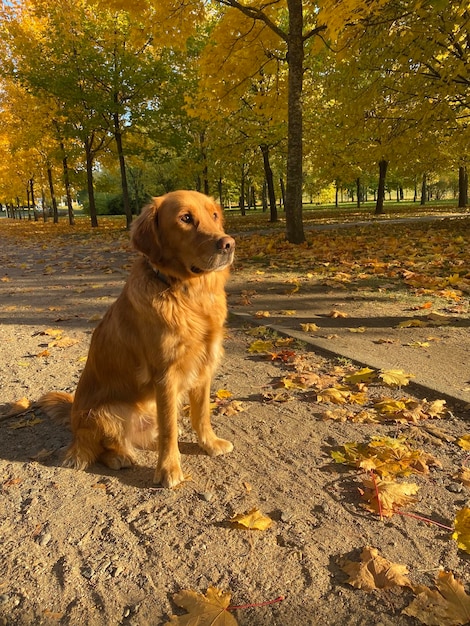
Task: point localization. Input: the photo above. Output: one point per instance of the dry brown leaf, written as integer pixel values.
(63, 342)
(448, 605)
(374, 572)
(230, 408)
(463, 476)
(208, 610)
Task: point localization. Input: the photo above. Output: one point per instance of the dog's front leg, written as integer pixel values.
(199, 400)
(169, 472)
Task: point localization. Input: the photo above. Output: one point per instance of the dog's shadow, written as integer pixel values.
(33, 438)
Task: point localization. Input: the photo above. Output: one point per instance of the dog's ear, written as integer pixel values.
(144, 231)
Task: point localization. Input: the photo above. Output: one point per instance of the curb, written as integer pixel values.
(420, 388)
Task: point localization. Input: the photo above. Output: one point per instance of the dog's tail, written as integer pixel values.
(58, 406)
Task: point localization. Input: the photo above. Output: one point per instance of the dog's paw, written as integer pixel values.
(217, 446)
(116, 461)
(169, 476)
(76, 459)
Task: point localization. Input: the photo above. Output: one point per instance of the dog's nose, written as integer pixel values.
(226, 244)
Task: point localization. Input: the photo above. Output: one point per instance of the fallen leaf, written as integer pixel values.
(208, 610)
(374, 572)
(363, 375)
(462, 529)
(260, 314)
(309, 327)
(384, 496)
(464, 442)
(230, 408)
(412, 324)
(396, 378)
(463, 476)
(261, 345)
(359, 329)
(26, 423)
(386, 456)
(253, 520)
(448, 605)
(334, 394)
(223, 394)
(336, 314)
(63, 342)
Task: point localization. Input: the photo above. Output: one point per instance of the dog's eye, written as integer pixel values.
(187, 218)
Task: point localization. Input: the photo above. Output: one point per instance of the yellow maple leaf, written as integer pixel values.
(374, 572)
(260, 314)
(385, 496)
(462, 529)
(448, 605)
(253, 520)
(363, 375)
(464, 442)
(223, 394)
(414, 323)
(336, 314)
(258, 331)
(309, 328)
(208, 610)
(395, 377)
(359, 329)
(261, 345)
(53, 332)
(334, 394)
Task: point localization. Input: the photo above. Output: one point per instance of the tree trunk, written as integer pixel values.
(33, 200)
(122, 169)
(264, 196)
(44, 208)
(423, 190)
(268, 174)
(242, 192)
(220, 188)
(90, 188)
(68, 194)
(379, 206)
(283, 192)
(463, 186)
(205, 168)
(358, 191)
(295, 60)
(55, 212)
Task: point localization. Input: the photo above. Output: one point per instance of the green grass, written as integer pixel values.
(346, 212)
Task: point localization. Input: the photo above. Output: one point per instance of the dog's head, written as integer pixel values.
(181, 234)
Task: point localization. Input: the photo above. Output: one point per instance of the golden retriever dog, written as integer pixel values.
(162, 338)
